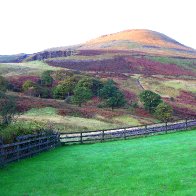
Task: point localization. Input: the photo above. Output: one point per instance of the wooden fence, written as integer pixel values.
(124, 133)
(27, 146)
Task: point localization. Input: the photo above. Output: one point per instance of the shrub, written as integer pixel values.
(3, 84)
(172, 99)
(16, 82)
(13, 130)
(27, 85)
(134, 105)
(7, 108)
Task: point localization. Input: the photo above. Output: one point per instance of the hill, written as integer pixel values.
(134, 39)
(150, 42)
(131, 51)
(148, 60)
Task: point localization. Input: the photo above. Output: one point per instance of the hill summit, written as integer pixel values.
(133, 39)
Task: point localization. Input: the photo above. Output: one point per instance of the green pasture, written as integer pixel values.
(159, 165)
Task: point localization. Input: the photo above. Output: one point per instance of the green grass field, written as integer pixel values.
(159, 165)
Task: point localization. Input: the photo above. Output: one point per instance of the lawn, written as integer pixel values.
(159, 165)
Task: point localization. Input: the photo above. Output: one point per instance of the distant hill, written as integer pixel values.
(137, 36)
(15, 58)
(140, 40)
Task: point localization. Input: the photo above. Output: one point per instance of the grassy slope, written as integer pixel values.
(159, 165)
(186, 85)
(72, 123)
(168, 87)
(29, 68)
(65, 123)
(185, 63)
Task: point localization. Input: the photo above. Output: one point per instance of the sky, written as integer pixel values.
(28, 26)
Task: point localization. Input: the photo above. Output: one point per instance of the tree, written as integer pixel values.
(113, 96)
(97, 86)
(150, 100)
(41, 91)
(3, 84)
(163, 112)
(108, 90)
(7, 108)
(81, 95)
(117, 100)
(85, 82)
(91, 83)
(65, 88)
(46, 78)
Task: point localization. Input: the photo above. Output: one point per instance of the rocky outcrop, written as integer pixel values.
(50, 54)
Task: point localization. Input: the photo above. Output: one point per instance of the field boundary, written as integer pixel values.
(30, 145)
(27, 146)
(124, 133)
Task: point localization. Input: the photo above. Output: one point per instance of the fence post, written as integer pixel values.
(81, 138)
(102, 136)
(146, 129)
(166, 127)
(124, 133)
(1, 157)
(186, 123)
(18, 152)
(58, 139)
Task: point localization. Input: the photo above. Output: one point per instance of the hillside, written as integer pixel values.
(154, 62)
(131, 51)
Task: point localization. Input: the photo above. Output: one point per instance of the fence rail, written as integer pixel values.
(27, 146)
(124, 133)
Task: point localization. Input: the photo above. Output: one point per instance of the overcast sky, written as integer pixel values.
(33, 25)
